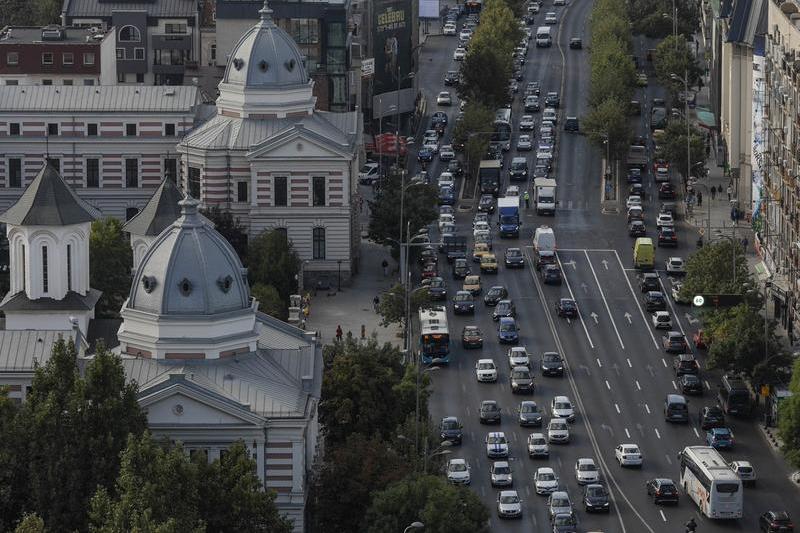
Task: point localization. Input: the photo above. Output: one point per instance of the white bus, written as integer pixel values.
(434, 338)
(710, 482)
(501, 130)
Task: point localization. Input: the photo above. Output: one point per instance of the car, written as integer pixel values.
(449, 29)
(685, 363)
(489, 412)
(446, 153)
(628, 455)
(508, 504)
(558, 503)
(552, 100)
(500, 474)
(595, 498)
(483, 238)
(541, 171)
(496, 445)
(674, 342)
(486, 203)
(666, 191)
(720, 438)
(437, 289)
(370, 173)
(533, 87)
(425, 155)
(485, 372)
(586, 471)
(472, 283)
(690, 384)
(537, 446)
(572, 125)
(458, 472)
(446, 179)
(711, 416)
(662, 490)
(479, 250)
(636, 228)
(455, 168)
(566, 307)
(641, 79)
(561, 407)
(465, 34)
(518, 356)
(575, 43)
(664, 220)
(460, 268)
(633, 200)
(675, 266)
(527, 123)
(634, 175)
(545, 480)
(528, 413)
(524, 143)
(667, 236)
(649, 281)
(463, 303)
(430, 270)
(471, 337)
(552, 364)
(459, 54)
(504, 308)
(557, 431)
(451, 430)
(521, 380)
(446, 218)
(745, 471)
(507, 332)
(444, 98)
(662, 320)
(549, 114)
(550, 18)
(775, 522)
(531, 103)
(495, 294)
(551, 275)
(513, 258)
(655, 301)
(488, 263)
(636, 188)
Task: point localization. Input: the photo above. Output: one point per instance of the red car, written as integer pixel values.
(775, 522)
(430, 271)
(660, 163)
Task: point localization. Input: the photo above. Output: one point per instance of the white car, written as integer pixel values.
(545, 480)
(500, 474)
(533, 8)
(465, 34)
(559, 2)
(446, 152)
(496, 445)
(633, 200)
(549, 114)
(745, 471)
(481, 227)
(459, 54)
(444, 98)
(446, 178)
(527, 123)
(550, 18)
(586, 471)
(432, 145)
(518, 356)
(486, 371)
(665, 220)
(662, 175)
(458, 472)
(537, 445)
(557, 431)
(628, 455)
(662, 320)
(524, 143)
(512, 190)
(508, 504)
(369, 173)
(479, 217)
(445, 218)
(561, 407)
(675, 265)
(449, 29)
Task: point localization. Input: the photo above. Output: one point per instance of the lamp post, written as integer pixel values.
(685, 81)
(403, 259)
(400, 80)
(339, 283)
(414, 525)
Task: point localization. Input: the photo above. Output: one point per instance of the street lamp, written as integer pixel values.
(414, 525)
(400, 80)
(403, 189)
(686, 117)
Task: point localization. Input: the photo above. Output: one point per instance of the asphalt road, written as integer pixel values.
(618, 375)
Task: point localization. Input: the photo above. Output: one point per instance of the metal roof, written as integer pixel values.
(154, 8)
(71, 302)
(98, 98)
(21, 349)
(33, 34)
(161, 211)
(747, 19)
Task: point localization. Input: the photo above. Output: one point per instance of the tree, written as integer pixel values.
(473, 132)
(713, 268)
(789, 419)
(269, 301)
(29, 12)
(673, 56)
(271, 260)
(392, 307)
(612, 74)
(609, 121)
(230, 227)
(672, 146)
(442, 507)
(111, 259)
(30, 523)
(653, 18)
(737, 339)
(483, 67)
(13, 468)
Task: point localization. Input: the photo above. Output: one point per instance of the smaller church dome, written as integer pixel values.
(190, 269)
(266, 57)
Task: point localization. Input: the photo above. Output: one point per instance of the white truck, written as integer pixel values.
(543, 38)
(544, 246)
(544, 196)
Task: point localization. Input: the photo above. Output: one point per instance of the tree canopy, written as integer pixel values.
(474, 132)
(674, 56)
(392, 307)
(717, 268)
(229, 227)
(111, 258)
(271, 260)
(789, 419)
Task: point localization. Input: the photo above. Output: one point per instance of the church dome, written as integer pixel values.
(190, 269)
(266, 57)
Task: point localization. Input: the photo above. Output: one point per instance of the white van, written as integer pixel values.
(543, 38)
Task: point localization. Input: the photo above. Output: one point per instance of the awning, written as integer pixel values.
(705, 118)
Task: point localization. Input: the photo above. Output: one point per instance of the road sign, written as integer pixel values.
(698, 301)
(701, 231)
(717, 300)
(367, 67)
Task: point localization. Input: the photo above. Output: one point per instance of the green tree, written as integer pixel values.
(230, 227)
(713, 268)
(737, 339)
(271, 260)
(609, 121)
(112, 259)
(653, 18)
(442, 507)
(392, 306)
(613, 75)
(674, 56)
(481, 74)
(672, 146)
(474, 132)
(789, 419)
(30, 523)
(269, 301)
(13, 465)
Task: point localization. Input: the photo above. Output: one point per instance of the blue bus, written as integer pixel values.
(434, 338)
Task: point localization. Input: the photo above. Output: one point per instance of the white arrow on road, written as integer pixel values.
(690, 319)
(594, 317)
(605, 263)
(586, 368)
(650, 369)
(585, 287)
(615, 366)
(607, 428)
(640, 428)
(628, 318)
(571, 263)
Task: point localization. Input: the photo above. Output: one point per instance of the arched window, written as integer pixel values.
(130, 34)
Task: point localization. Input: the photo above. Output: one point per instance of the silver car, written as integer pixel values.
(559, 503)
(500, 473)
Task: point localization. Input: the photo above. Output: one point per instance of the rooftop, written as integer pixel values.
(160, 212)
(13, 35)
(98, 98)
(154, 8)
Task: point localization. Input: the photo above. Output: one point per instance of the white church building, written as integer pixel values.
(211, 369)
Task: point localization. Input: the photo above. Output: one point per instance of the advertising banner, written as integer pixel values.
(392, 44)
(429, 9)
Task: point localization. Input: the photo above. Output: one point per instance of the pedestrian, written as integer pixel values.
(713, 192)
(376, 302)
(527, 198)
(339, 332)
(385, 266)
(691, 526)
(730, 192)
(699, 198)
(744, 244)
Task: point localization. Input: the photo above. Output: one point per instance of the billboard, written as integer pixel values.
(392, 44)
(429, 9)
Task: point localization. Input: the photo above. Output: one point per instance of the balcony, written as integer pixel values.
(171, 41)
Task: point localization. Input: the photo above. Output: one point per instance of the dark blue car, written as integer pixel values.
(463, 303)
(507, 332)
(425, 155)
(720, 438)
(447, 196)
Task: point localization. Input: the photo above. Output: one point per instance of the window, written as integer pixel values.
(67, 82)
(318, 191)
(241, 191)
(131, 212)
(132, 173)
(45, 281)
(175, 28)
(170, 56)
(69, 267)
(214, 52)
(52, 128)
(140, 77)
(138, 54)
(304, 31)
(120, 53)
(47, 82)
(88, 82)
(171, 169)
(92, 173)
(194, 182)
(68, 58)
(283, 232)
(120, 77)
(13, 128)
(318, 238)
(12, 58)
(130, 34)
(12, 82)
(47, 58)
(24, 265)
(337, 36)
(91, 130)
(55, 162)
(169, 130)
(15, 172)
(281, 191)
(130, 130)
(88, 58)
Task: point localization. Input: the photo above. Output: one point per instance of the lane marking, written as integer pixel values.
(608, 385)
(605, 302)
(707, 385)
(599, 363)
(673, 385)
(629, 362)
(635, 299)
(664, 518)
(647, 408)
(696, 433)
(669, 459)
(657, 433)
(664, 361)
(668, 298)
(616, 406)
(571, 295)
(627, 433)
(637, 385)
